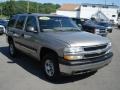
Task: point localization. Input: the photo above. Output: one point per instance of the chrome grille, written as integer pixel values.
(94, 55)
(95, 48)
(95, 51)
(102, 31)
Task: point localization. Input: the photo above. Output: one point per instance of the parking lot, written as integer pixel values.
(23, 73)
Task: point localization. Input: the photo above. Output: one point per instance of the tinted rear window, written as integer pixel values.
(20, 22)
(12, 21)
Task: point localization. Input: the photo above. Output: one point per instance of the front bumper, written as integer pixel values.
(78, 66)
(103, 34)
(1, 32)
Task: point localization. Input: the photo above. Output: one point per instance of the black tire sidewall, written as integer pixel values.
(53, 59)
(14, 54)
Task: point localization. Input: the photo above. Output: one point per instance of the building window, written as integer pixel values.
(84, 5)
(105, 6)
(93, 6)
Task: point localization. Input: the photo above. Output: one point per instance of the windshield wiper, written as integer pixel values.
(62, 29)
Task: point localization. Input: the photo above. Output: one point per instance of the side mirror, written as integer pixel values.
(31, 29)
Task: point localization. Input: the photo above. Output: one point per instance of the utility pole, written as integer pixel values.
(1, 11)
(37, 7)
(28, 6)
(105, 2)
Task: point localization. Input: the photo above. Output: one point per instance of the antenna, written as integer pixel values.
(105, 2)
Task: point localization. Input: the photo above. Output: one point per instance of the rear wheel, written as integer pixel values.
(12, 49)
(51, 67)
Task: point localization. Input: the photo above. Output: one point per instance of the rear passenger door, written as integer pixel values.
(18, 31)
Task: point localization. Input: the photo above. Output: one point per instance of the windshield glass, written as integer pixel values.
(57, 24)
(103, 24)
(91, 22)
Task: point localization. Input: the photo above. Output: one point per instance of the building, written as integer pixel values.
(70, 10)
(100, 16)
(86, 11)
(110, 11)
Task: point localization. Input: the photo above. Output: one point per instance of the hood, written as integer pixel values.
(78, 38)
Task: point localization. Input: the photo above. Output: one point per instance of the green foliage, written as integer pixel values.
(9, 8)
(14, 7)
(3, 17)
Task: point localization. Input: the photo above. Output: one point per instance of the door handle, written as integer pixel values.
(16, 35)
(27, 36)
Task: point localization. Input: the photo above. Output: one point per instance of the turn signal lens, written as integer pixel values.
(67, 57)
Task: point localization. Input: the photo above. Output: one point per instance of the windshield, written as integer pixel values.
(57, 24)
(103, 24)
(91, 22)
(94, 22)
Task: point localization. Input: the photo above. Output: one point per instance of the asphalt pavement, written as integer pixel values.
(24, 73)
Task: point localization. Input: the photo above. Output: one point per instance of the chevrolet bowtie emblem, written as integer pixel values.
(99, 51)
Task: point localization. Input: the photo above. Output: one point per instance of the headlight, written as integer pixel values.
(73, 53)
(109, 47)
(73, 49)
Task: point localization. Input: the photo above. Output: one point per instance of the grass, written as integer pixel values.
(3, 17)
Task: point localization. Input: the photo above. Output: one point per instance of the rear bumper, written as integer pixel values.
(81, 66)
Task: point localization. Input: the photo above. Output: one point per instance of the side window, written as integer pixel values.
(12, 21)
(20, 22)
(31, 22)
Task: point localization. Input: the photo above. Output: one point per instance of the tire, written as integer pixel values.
(12, 49)
(119, 26)
(1, 33)
(110, 31)
(50, 67)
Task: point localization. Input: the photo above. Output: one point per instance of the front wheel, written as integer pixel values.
(51, 67)
(118, 26)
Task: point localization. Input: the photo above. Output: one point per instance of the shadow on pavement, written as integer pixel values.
(33, 67)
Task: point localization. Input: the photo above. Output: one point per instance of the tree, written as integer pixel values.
(12, 7)
(9, 8)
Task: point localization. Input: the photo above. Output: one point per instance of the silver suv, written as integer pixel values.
(59, 45)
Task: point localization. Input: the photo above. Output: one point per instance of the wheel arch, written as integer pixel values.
(45, 50)
(9, 39)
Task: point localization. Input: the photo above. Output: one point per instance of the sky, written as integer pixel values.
(116, 2)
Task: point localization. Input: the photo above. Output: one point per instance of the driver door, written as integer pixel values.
(31, 42)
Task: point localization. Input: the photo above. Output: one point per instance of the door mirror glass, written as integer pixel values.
(31, 29)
